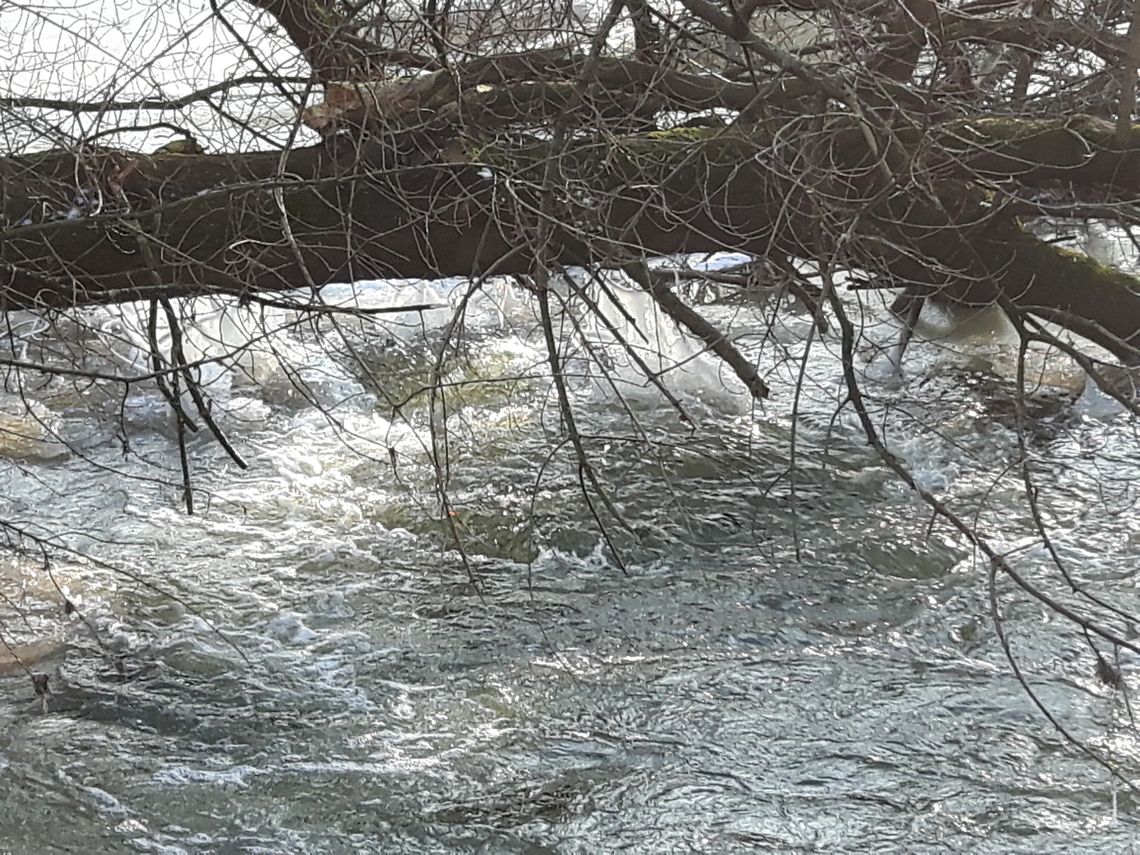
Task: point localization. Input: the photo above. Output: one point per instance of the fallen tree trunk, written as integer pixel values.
(74, 227)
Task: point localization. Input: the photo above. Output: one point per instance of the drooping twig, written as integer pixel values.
(688, 318)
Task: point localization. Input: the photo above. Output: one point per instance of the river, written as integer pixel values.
(787, 664)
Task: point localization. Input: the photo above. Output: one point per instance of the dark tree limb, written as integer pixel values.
(218, 228)
(691, 320)
(323, 34)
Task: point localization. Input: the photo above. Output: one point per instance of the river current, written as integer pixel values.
(796, 658)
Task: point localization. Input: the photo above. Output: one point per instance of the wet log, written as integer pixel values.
(108, 226)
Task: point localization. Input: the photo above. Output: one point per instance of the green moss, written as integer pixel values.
(1041, 140)
(180, 146)
(1071, 268)
(686, 135)
(323, 14)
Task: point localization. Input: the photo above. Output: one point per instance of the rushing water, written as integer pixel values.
(789, 664)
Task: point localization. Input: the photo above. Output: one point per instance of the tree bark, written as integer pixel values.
(340, 212)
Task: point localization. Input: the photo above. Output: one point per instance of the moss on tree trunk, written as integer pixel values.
(355, 212)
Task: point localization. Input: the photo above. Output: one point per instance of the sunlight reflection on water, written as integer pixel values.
(724, 697)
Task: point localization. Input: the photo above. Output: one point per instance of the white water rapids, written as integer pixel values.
(302, 667)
